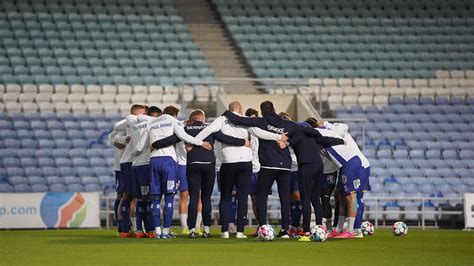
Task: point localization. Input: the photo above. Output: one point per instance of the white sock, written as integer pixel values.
(183, 217)
(192, 230)
(198, 220)
(207, 229)
(166, 231)
(134, 223)
(158, 231)
(350, 224)
(328, 223)
(340, 223)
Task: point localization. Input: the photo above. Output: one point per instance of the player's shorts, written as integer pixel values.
(329, 180)
(163, 175)
(182, 179)
(253, 185)
(294, 182)
(355, 178)
(125, 183)
(141, 177)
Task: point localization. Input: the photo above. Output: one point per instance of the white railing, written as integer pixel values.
(375, 213)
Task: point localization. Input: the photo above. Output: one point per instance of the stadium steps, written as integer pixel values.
(219, 50)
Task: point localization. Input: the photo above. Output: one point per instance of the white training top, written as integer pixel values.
(165, 126)
(218, 154)
(140, 140)
(117, 136)
(294, 160)
(234, 154)
(346, 151)
(181, 153)
(255, 160)
(127, 156)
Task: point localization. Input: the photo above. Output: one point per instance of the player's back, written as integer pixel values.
(159, 128)
(232, 154)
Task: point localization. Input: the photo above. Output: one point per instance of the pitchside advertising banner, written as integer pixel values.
(469, 210)
(49, 210)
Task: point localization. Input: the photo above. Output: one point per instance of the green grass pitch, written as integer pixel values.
(102, 247)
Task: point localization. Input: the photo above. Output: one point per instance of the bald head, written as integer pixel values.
(235, 107)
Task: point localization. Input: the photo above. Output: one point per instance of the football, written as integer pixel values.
(367, 228)
(399, 229)
(266, 232)
(319, 233)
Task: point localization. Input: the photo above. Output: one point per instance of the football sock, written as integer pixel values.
(198, 220)
(139, 214)
(166, 231)
(328, 224)
(155, 210)
(168, 210)
(183, 217)
(158, 231)
(350, 224)
(360, 209)
(295, 213)
(116, 210)
(125, 207)
(207, 229)
(119, 216)
(133, 222)
(340, 223)
(149, 217)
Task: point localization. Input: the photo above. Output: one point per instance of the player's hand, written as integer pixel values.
(206, 145)
(247, 143)
(119, 145)
(188, 147)
(284, 137)
(127, 139)
(282, 144)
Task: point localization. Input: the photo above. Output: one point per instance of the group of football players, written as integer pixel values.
(157, 156)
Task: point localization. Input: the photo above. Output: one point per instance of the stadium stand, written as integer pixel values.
(56, 152)
(140, 42)
(352, 39)
(425, 145)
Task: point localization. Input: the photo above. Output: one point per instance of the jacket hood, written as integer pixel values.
(273, 119)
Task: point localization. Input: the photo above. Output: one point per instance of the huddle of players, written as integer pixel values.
(252, 153)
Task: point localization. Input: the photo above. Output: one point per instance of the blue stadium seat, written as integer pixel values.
(39, 188)
(58, 188)
(6, 188)
(68, 171)
(75, 188)
(23, 188)
(417, 154)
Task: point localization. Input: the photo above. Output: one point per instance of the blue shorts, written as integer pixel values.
(163, 175)
(253, 185)
(141, 177)
(355, 178)
(125, 184)
(182, 179)
(294, 182)
(329, 180)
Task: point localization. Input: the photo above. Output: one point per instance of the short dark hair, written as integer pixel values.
(266, 108)
(313, 122)
(153, 109)
(171, 110)
(251, 112)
